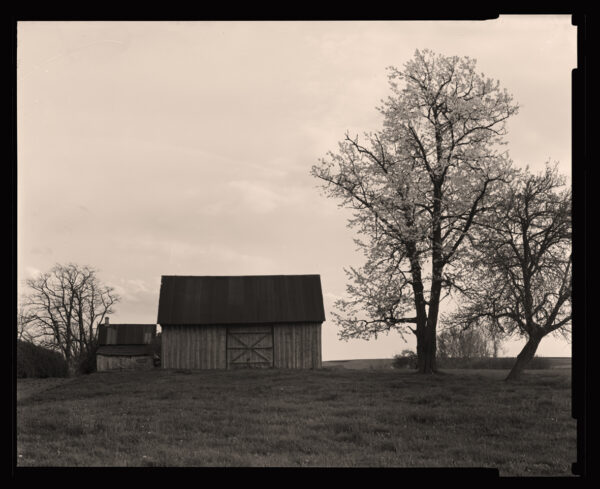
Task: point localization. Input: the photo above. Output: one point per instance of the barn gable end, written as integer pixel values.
(271, 321)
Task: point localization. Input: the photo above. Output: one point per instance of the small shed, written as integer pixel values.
(226, 322)
(125, 346)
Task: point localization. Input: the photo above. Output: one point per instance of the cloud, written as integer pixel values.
(134, 290)
(179, 256)
(255, 197)
(331, 297)
(41, 250)
(32, 272)
(190, 144)
(259, 197)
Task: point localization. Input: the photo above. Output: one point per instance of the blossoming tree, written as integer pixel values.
(416, 187)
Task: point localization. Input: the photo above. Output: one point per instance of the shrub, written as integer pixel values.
(405, 359)
(87, 361)
(35, 361)
(466, 343)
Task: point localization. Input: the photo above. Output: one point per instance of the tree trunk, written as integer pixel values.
(72, 367)
(72, 370)
(427, 340)
(426, 352)
(527, 353)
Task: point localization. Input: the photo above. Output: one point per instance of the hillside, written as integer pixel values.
(333, 417)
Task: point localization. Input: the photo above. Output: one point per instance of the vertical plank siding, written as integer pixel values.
(297, 345)
(124, 363)
(193, 347)
(111, 336)
(294, 345)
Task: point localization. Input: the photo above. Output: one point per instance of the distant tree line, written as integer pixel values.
(468, 343)
(34, 361)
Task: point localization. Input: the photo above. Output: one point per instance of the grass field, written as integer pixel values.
(369, 416)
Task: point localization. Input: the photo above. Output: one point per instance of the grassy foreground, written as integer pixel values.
(326, 418)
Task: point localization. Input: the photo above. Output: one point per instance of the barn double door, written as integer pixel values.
(249, 347)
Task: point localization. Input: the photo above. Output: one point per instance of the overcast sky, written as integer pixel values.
(184, 148)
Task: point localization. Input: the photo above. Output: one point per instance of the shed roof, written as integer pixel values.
(124, 350)
(240, 299)
(126, 334)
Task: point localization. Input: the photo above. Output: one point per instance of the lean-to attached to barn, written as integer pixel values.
(125, 346)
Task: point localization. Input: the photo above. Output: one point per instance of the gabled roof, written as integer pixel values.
(125, 334)
(240, 299)
(124, 350)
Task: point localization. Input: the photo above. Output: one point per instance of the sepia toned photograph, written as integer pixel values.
(307, 244)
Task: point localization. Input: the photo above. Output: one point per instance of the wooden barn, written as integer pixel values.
(125, 346)
(265, 321)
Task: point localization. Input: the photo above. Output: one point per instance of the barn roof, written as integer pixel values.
(126, 334)
(124, 350)
(240, 299)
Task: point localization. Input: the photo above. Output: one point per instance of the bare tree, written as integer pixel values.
(24, 328)
(63, 309)
(416, 188)
(521, 264)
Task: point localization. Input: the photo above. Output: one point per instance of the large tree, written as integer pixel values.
(63, 309)
(416, 188)
(521, 264)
